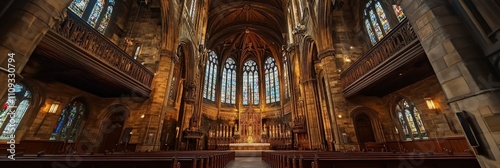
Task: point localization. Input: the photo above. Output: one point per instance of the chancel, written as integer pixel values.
(250, 83)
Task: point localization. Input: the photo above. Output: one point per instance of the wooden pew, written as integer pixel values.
(311, 159)
(184, 159)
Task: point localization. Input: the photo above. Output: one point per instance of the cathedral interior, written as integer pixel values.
(144, 76)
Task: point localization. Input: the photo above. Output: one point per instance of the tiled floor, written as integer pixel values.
(248, 162)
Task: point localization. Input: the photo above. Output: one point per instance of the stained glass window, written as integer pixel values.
(250, 83)
(271, 81)
(399, 12)
(105, 20)
(410, 121)
(382, 17)
(69, 122)
(369, 29)
(374, 20)
(286, 78)
(78, 6)
(210, 77)
(96, 13)
(228, 84)
(17, 103)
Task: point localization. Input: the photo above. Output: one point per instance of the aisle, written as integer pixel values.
(248, 162)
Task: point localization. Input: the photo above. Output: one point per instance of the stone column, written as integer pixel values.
(153, 120)
(462, 70)
(333, 89)
(23, 26)
(312, 114)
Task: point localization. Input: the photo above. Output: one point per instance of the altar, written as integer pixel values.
(249, 146)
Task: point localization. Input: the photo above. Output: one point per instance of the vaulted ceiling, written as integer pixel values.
(246, 27)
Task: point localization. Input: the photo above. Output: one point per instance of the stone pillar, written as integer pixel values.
(333, 89)
(462, 70)
(153, 120)
(312, 114)
(23, 26)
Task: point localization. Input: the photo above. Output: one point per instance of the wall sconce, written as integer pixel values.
(340, 116)
(53, 107)
(142, 116)
(430, 103)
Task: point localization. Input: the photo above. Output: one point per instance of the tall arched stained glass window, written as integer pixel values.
(105, 20)
(228, 85)
(78, 6)
(69, 122)
(17, 103)
(210, 77)
(286, 78)
(410, 121)
(250, 83)
(96, 13)
(271, 81)
(373, 39)
(376, 26)
(382, 17)
(399, 12)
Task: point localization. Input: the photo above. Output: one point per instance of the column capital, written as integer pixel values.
(170, 54)
(326, 53)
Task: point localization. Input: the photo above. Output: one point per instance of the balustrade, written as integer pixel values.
(83, 35)
(401, 36)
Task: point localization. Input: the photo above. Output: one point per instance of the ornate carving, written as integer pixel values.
(190, 93)
(170, 54)
(81, 34)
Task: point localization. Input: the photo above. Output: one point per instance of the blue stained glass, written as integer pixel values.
(96, 12)
(376, 26)
(21, 99)
(78, 6)
(69, 122)
(210, 77)
(369, 29)
(272, 84)
(228, 91)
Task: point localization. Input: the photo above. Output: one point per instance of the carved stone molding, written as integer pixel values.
(326, 53)
(170, 54)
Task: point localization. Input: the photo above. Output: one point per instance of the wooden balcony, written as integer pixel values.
(78, 55)
(396, 61)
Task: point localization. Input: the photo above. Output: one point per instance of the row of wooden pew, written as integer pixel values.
(170, 159)
(314, 159)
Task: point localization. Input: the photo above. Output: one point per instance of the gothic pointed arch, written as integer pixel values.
(71, 121)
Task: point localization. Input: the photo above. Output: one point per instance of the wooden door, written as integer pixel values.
(364, 130)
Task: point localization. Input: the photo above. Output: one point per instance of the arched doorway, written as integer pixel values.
(111, 129)
(364, 130)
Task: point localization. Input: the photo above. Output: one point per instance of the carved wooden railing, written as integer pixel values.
(83, 35)
(401, 36)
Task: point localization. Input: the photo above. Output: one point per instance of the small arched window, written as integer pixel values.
(377, 21)
(210, 77)
(250, 83)
(18, 103)
(70, 121)
(410, 120)
(285, 77)
(228, 85)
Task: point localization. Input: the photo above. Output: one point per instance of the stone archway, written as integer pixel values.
(112, 127)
